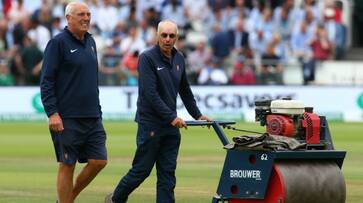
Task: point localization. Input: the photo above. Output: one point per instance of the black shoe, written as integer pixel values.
(108, 198)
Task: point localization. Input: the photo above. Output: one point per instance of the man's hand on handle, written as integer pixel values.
(205, 118)
(179, 123)
(55, 123)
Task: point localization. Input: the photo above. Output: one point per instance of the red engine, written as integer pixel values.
(280, 125)
(311, 124)
(289, 118)
(284, 125)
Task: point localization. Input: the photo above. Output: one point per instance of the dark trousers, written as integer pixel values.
(308, 69)
(154, 146)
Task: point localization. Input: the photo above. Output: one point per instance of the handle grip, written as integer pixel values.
(204, 123)
(216, 126)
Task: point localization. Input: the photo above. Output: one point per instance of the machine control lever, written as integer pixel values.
(216, 126)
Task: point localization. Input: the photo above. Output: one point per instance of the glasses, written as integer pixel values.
(165, 35)
(88, 14)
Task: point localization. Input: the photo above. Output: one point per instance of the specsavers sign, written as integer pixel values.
(222, 102)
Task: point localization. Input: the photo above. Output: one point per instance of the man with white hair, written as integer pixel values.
(161, 78)
(70, 95)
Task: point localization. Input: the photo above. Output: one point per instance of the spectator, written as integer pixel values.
(106, 18)
(38, 33)
(240, 9)
(20, 30)
(213, 74)
(130, 61)
(5, 38)
(300, 44)
(215, 18)
(258, 42)
(30, 61)
(340, 41)
(124, 10)
(329, 22)
(219, 4)
(58, 11)
(287, 7)
(309, 20)
(132, 20)
(44, 15)
(321, 46)
(5, 7)
(17, 12)
(2, 11)
(336, 31)
(271, 68)
(229, 17)
(283, 22)
(147, 33)
(180, 44)
(110, 67)
(341, 32)
(197, 60)
(280, 47)
(6, 79)
(152, 17)
(305, 7)
(321, 49)
(145, 5)
(338, 8)
(133, 42)
(265, 24)
(195, 10)
(242, 75)
(19, 34)
(56, 26)
(32, 5)
(119, 33)
(174, 12)
(239, 37)
(220, 44)
(255, 15)
(94, 6)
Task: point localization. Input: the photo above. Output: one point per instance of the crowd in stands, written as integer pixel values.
(239, 42)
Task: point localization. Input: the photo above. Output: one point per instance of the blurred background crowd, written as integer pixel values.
(234, 42)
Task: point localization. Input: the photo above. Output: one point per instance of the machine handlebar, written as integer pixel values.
(204, 123)
(216, 126)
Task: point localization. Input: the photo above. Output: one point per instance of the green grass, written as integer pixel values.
(28, 167)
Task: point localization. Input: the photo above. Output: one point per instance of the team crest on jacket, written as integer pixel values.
(177, 67)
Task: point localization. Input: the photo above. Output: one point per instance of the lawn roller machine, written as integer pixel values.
(294, 161)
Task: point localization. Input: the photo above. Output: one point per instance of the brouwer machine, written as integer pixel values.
(294, 161)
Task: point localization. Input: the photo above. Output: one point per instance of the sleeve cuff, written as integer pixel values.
(49, 113)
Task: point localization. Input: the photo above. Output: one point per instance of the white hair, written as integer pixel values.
(70, 7)
(161, 23)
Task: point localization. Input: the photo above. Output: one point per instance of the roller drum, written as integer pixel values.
(318, 181)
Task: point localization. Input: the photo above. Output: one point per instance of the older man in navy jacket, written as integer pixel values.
(161, 78)
(69, 90)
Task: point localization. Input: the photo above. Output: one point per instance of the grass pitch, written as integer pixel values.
(28, 168)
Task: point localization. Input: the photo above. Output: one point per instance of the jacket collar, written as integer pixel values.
(86, 35)
(173, 52)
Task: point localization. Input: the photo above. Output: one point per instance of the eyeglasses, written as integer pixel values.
(165, 35)
(81, 14)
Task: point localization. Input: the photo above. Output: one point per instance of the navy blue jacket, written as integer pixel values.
(160, 81)
(69, 79)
